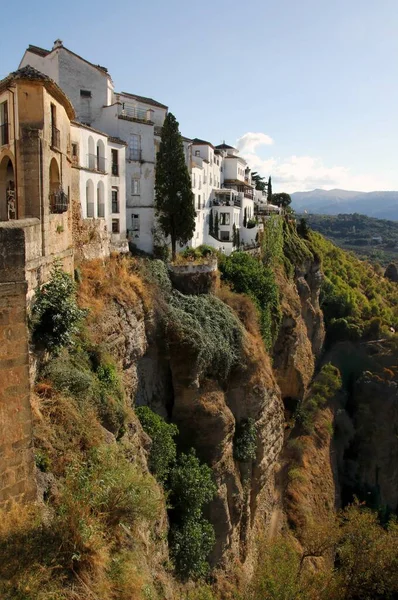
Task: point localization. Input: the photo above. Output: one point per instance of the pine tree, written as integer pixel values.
(269, 189)
(211, 223)
(174, 201)
(216, 226)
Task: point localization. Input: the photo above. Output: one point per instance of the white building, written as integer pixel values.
(134, 119)
(102, 182)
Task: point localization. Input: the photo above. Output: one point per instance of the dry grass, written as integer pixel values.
(117, 280)
(243, 306)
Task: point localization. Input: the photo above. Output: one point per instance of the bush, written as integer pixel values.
(325, 386)
(163, 450)
(191, 537)
(192, 542)
(248, 275)
(245, 440)
(55, 313)
(207, 328)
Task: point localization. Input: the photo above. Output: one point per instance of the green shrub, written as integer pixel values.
(325, 386)
(248, 275)
(55, 313)
(156, 271)
(191, 543)
(208, 329)
(245, 440)
(163, 450)
(191, 536)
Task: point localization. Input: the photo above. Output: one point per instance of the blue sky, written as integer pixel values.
(308, 90)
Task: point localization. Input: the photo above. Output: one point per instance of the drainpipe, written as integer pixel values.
(43, 247)
(15, 147)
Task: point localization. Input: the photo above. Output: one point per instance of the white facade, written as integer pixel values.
(134, 119)
(101, 163)
(221, 179)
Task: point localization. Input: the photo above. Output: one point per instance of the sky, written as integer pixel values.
(307, 90)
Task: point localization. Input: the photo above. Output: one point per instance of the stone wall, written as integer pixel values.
(16, 455)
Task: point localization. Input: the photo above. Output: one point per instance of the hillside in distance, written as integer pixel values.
(369, 238)
(381, 205)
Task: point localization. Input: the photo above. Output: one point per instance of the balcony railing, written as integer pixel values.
(59, 202)
(55, 137)
(135, 154)
(115, 207)
(115, 169)
(138, 114)
(4, 134)
(96, 163)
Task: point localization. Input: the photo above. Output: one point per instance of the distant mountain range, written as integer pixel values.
(382, 205)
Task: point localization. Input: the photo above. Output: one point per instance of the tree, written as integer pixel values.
(282, 199)
(258, 181)
(174, 201)
(216, 228)
(245, 218)
(211, 223)
(269, 189)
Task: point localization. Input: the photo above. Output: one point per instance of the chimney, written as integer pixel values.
(58, 44)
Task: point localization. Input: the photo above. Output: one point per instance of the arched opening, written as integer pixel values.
(100, 158)
(90, 199)
(101, 200)
(8, 201)
(58, 199)
(91, 157)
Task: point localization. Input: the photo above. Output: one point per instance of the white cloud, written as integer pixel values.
(303, 173)
(249, 142)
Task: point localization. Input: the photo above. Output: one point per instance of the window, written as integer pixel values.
(199, 201)
(224, 236)
(135, 187)
(115, 162)
(135, 223)
(115, 226)
(74, 150)
(115, 200)
(211, 179)
(134, 147)
(85, 94)
(197, 152)
(4, 132)
(224, 218)
(55, 136)
(200, 182)
(193, 180)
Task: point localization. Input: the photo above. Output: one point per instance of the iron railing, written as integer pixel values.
(4, 134)
(96, 163)
(140, 114)
(55, 137)
(59, 202)
(115, 169)
(135, 154)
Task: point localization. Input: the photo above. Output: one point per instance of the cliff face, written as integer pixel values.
(207, 411)
(302, 330)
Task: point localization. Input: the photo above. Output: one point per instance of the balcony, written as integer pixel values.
(59, 202)
(115, 169)
(4, 134)
(115, 207)
(135, 154)
(55, 138)
(133, 113)
(96, 163)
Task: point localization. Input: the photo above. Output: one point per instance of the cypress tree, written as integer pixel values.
(269, 195)
(211, 223)
(216, 226)
(174, 200)
(245, 217)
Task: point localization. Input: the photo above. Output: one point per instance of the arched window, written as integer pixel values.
(8, 201)
(100, 157)
(91, 156)
(58, 199)
(90, 199)
(101, 200)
